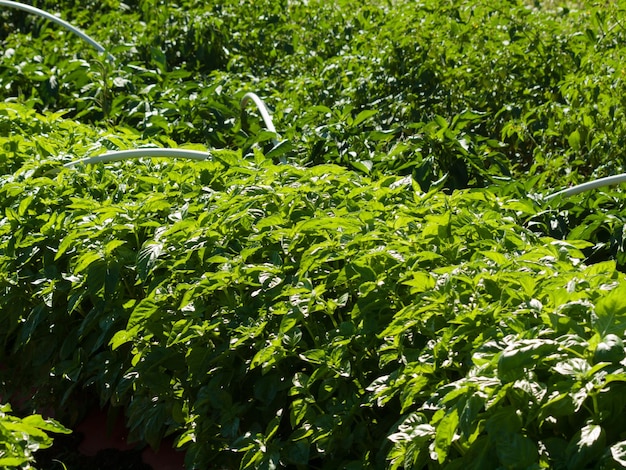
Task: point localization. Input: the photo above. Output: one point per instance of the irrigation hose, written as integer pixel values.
(65, 24)
(119, 155)
(607, 181)
(260, 104)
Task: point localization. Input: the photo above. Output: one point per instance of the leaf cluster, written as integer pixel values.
(21, 437)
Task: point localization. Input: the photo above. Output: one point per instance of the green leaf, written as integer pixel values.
(585, 447)
(516, 451)
(480, 455)
(420, 282)
(505, 420)
(609, 349)
(265, 358)
(574, 140)
(618, 452)
(23, 207)
(364, 115)
(441, 121)
(287, 323)
(610, 312)
(142, 313)
(314, 356)
(280, 149)
(12, 462)
(362, 165)
(469, 414)
(298, 453)
(523, 355)
(85, 260)
(298, 411)
(576, 367)
(123, 336)
(437, 226)
(68, 242)
(49, 425)
(111, 246)
(445, 431)
(147, 259)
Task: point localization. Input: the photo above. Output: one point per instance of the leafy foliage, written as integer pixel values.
(293, 315)
(461, 94)
(21, 437)
(396, 295)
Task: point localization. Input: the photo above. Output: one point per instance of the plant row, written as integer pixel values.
(274, 315)
(456, 95)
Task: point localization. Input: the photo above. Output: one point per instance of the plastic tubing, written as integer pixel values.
(260, 104)
(65, 24)
(607, 181)
(139, 153)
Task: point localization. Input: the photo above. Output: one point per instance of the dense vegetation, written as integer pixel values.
(384, 284)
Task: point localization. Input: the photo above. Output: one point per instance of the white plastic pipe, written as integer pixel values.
(607, 181)
(65, 24)
(260, 104)
(118, 155)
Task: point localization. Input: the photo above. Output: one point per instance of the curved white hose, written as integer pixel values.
(118, 155)
(607, 181)
(260, 104)
(169, 152)
(65, 24)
